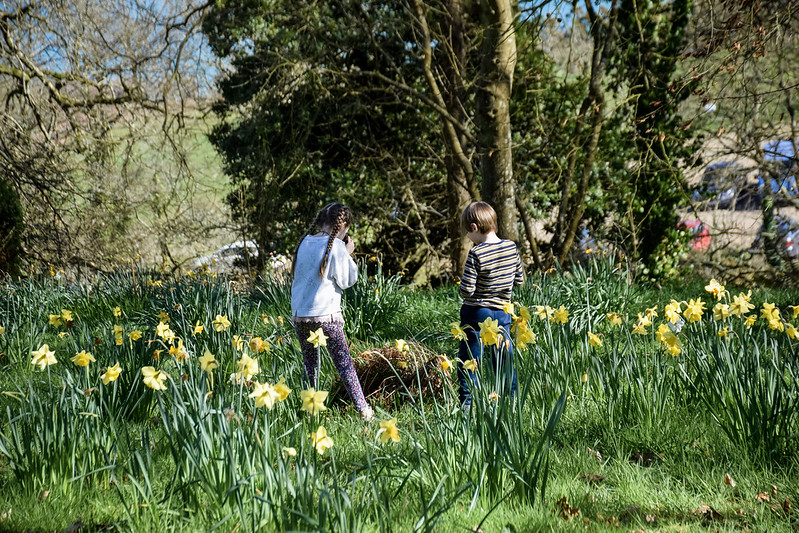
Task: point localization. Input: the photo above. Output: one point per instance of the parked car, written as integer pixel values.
(700, 236)
(724, 186)
(779, 170)
(787, 236)
(230, 258)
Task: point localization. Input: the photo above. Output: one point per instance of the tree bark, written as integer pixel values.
(495, 80)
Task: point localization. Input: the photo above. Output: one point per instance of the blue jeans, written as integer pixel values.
(472, 348)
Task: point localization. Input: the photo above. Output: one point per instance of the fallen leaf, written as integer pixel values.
(652, 519)
(564, 509)
(764, 497)
(729, 481)
(707, 513)
(774, 491)
(6, 515)
(43, 495)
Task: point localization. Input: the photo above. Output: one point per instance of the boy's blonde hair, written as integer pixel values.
(482, 215)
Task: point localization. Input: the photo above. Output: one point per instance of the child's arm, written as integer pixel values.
(519, 278)
(469, 278)
(343, 270)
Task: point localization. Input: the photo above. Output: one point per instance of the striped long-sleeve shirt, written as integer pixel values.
(491, 271)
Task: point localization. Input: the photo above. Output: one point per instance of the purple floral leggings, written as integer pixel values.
(339, 352)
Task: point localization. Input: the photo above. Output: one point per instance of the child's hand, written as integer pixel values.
(349, 244)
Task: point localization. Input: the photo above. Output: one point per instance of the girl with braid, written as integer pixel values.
(323, 268)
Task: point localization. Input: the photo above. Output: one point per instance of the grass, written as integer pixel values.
(618, 436)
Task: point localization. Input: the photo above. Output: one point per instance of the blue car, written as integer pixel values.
(780, 170)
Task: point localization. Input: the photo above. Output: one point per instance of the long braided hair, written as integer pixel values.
(334, 215)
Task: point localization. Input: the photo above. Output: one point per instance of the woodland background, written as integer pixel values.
(160, 130)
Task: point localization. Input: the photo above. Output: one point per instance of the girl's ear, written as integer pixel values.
(473, 228)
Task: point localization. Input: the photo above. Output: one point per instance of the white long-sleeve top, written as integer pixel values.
(314, 296)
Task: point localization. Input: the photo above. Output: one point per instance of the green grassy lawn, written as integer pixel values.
(618, 436)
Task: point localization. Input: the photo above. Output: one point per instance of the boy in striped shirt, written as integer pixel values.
(493, 267)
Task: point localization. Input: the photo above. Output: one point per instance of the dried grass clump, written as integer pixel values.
(388, 374)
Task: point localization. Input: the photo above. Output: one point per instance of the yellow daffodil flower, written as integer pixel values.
(388, 430)
(509, 308)
(154, 378)
(673, 310)
(594, 339)
(470, 365)
(750, 321)
(490, 332)
(248, 366)
(769, 312)
(258, 345)
(401, 345)
(221, 323)
(723, 332)
(644, 320)
(111, 374)
(66, 315)
(651, 313)
(264, 318)
(776, 324)
(318, 338)
(208, 362)
(43, 357)
(661, 332)
(791, 331)
(694, 309)
(163, 317)
(282, 390)
(638, 329)
(135, 335)
(445, 363)
(117, 312)
(118, 333)
(615, 319)
(163, 330)
(740, 304)
(542, 312)
(794, 311)
(55, 320)
(198, 329)
(715, 288)
(524, 313)
(524, 336)
(2, 330)
(289, 451)
(265, 395)
(238, 342)
(560, 315)
(493, 397)
(457, 331)
(179, 351)
(320, 440)
(83, 358)
(313, 401)
(721, 311)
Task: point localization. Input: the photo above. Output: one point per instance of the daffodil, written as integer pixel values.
(401, 345)
(264, 318)
(794, 311)
(43, 357)
(542, 312)
(117, 312)
(163, 318)
(135, 335)
(2, 330)
(258, 345)
(750, 321)
(198, 328)
(715, 288)
(661, 331)
(693, 311)
(313, 401)
(524, 336)
(163, 330)
(494, 396)
(221, 323)
(83, 358)
(524, 313)
(769, 312)
(388, 430)
(776, 324)
(644, 320)
(55, 320)
(594, 340)
(672, 311)
(445, 363)
(289, 451)
(282, 390)
(457, 331)
(723, 332)
(318, 338)
(490, 332)
(791, 331)
(66, 316)
(615, 319)
(111, 374)
(560, 315)
(265, 395)
(179, 351)
(509, 308)
(470, 365)
(638, 329)
(721, 311)
(651, 312)
(154, 378)
(740, 304)
(118, 333)
(320, 440)
(248, 366)
(208, 362)
(238, 342)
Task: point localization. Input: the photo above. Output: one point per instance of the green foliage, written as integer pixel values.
(11, 228)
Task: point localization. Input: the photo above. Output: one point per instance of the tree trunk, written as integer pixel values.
(498, 59)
